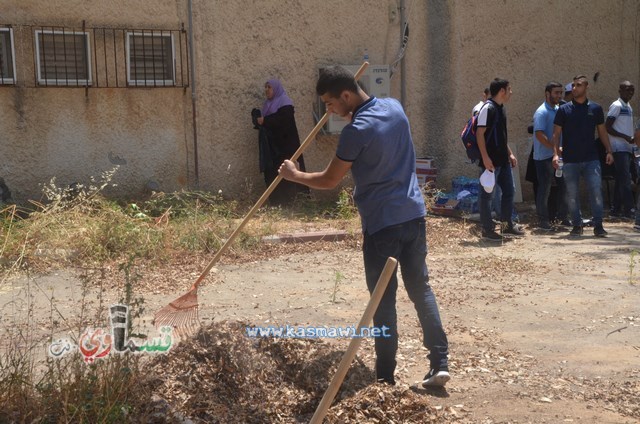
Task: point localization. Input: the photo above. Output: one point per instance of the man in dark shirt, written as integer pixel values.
(577, 121)
(497, 158)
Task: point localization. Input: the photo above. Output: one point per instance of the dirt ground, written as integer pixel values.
(543, 329)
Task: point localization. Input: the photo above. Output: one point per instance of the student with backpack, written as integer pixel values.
(496, 156)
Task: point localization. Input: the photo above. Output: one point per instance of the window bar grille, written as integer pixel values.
(144, 62)
(75, 56)
(95, 58)
(181, 68)
(35, 56)
(86, 60)
(187, 62)
(127, 71)
(115, 56)
(44, 57)
(133, 64)
(2, 60)
(162, 70)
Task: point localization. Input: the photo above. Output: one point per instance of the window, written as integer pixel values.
(151, 58)
(7, 54)
(63, 57)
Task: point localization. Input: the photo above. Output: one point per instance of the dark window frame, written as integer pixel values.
(10, 78)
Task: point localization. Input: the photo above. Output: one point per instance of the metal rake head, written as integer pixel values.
(181, 314)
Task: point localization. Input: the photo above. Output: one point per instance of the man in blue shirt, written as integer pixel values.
(577, 121)
(543, 154)
(377, 147)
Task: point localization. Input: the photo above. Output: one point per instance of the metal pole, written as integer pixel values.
(193, 97)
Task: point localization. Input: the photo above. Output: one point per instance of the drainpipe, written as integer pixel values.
(193, 96)
(403, 24)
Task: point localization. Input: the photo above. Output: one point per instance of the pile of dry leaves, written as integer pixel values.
(223, 376)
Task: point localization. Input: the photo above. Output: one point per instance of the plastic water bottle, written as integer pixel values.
(559, 169)
(365, 56)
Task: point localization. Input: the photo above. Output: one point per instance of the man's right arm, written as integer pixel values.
(543, 139)
(555, 141)
(327, 179)
(538, 128)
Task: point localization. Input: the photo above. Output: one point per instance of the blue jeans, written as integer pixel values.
(407, 243)
(592, 175)
(545, 174)
(561, 198)
(504, 179)
(622, 195)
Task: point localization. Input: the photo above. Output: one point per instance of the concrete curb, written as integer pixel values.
(328, 235)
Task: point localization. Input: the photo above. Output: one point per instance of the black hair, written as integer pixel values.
(496, 85)
(579, 77)
(334, 80)
(486, 91)
(551, 85)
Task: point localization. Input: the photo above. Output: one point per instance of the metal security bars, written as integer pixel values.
(150, 58)
(7, 55)
(109, 57)
(62, 57)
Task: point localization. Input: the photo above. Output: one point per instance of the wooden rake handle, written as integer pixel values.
(348, 356)
(269, 190)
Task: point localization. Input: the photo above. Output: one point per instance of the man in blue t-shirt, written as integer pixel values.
(577, 122)
(543, 153)
(376, 146)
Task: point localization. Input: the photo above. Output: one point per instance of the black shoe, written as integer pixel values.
(436, 377)
(491, 236)
(628, 216)
(599, 231)
(512, 230)
(576, 231)
(545, 227)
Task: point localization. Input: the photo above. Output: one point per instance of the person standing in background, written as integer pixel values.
(278, 140)
(496, 156)
(619, 126)
(636, 138)
(543, 155)
(577, 122)
(476, 108)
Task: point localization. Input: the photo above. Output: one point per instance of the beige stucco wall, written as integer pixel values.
(239, 45)
(455, 49)
(530, 43)
(73, 134)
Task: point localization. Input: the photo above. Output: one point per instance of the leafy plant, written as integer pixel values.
(338, 278)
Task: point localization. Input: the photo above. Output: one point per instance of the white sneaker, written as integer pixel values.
(436, 378)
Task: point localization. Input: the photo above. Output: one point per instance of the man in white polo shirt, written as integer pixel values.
(619, 125)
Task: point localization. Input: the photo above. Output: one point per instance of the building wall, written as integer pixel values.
(530, 43)
(74, 134)
(455, 49)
